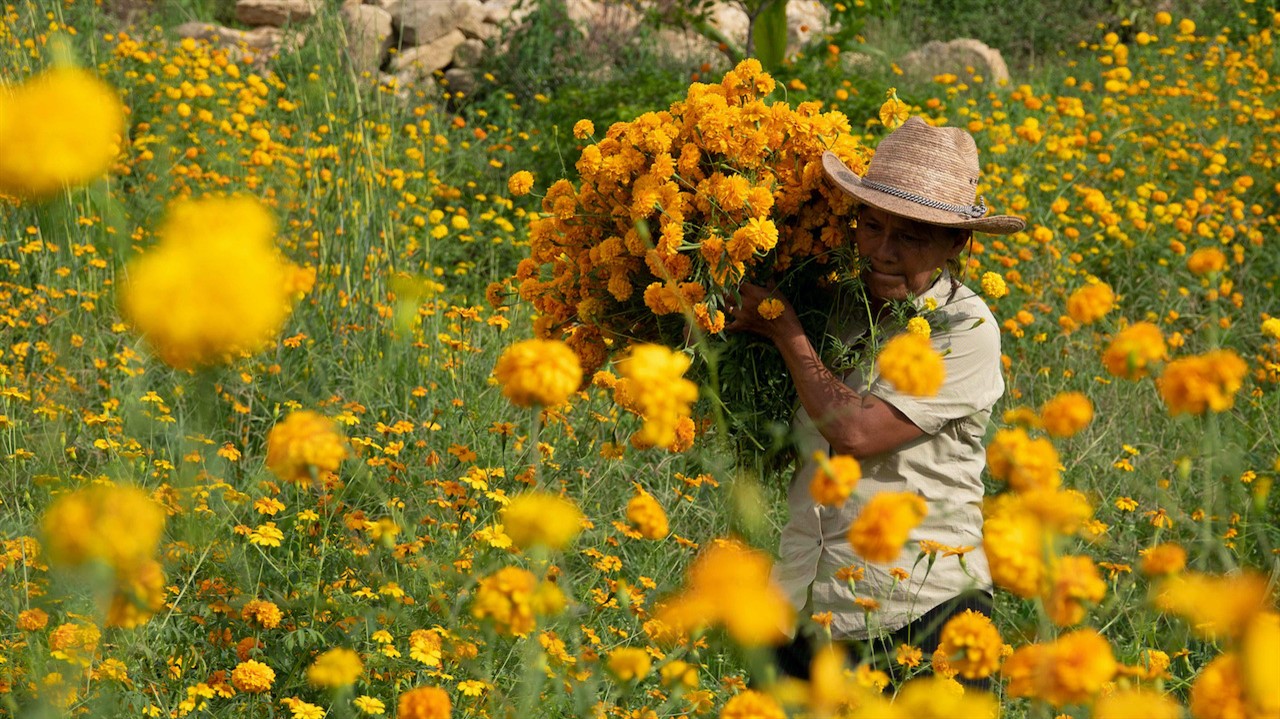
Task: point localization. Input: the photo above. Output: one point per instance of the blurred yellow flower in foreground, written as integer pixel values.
(425, 703)
(1091, 302)
(538, 372)
(541, 519)
(884, 523)
(629, 663)
(118, 525)
(834, 479)
(1066, 414)
(513, 598)
(60, 128)
(214, 287)
(305, 445)
(647, 516)
(971, 645)
(653, 386)
(1134, 349)
(1192, 385)
(335, 669)
(911, 365)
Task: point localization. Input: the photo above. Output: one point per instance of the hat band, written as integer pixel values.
(972, 212)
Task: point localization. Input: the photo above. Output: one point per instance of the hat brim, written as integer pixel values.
(847, 180)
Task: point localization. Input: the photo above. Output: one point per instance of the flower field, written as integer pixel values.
(316, 401)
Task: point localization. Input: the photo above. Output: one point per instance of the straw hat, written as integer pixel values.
(924, 173)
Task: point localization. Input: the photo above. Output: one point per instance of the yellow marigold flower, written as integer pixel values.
(1259, 649)
(214, 287)
(993, 285)
(1271, 328)
(770, 308)
(60, 128)
(1072, 581)
(1134, 349)
(538, 372)
(1062, 510)
(972, 645)
(262, 613)
(1014, 544)
(1186, 26)
(369, 705)
(1066, 414)
(139, 593)
(582, 129)
(32, 620)
(1163, 18)
(520, 183)
(1192, 385)
(1218, 692)
(1024, 463)
(883, 525)
(1166, 558)
(299, 709)
(118, 525)
(751, 704)
(647, 516)
(426, 646)
(266, 535)
(512, 598)
(75, 642)
(252, 677)
(910, 363)
(1071, 670)
(628, 663)
(304, 446)
(541, 519)
(1215, 607)
(425, 703)
(1129, 703)
(919, 326)
(939, 697)
(1091, 302)
(1206, 261)
(893, 112)
(655, 388)
(335, 669)
(835, 479)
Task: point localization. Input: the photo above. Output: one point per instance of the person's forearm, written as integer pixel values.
(830, 403)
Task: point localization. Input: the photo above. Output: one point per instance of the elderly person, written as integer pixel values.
(917, 208)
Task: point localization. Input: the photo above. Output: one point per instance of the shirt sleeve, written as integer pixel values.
(970, 349)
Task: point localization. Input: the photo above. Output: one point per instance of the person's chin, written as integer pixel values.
(888, 288)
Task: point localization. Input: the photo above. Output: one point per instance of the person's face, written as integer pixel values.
(902, 255)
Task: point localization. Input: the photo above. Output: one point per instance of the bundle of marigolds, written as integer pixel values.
(674, 210)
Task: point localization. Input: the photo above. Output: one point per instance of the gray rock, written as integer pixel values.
(368, 36)
(261, 42)
(460, 80)
(469, 53)
(421, 61)
(275, 13)
(963, 58)
(424, 21)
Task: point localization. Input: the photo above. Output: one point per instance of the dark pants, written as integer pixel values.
(924, 633)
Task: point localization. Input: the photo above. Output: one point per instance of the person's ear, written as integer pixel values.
(959, 240)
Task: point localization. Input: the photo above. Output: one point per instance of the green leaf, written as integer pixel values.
(770, 35)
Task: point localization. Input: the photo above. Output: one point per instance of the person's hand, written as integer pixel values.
(744, 311)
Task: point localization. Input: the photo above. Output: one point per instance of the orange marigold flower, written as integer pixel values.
(582, 129)
(512, 598)
(520, 183)
(770, 308)
(751, 704)
(971, 644)
(262, 613)
(32, 620)
(1024, 463)
(1129, 703)
(252, 677)
(909, 362)
(1166, 558)
(1218, 691)
(1192, 385)
(883, 525)
(1091, 302)
(1066, 414)
(1072, 581)
(1206, 261)
(538, 372)
(1070, 670)
(1215, 607)
(1014, 544)
(118, 525)
(424, 703)
(647, 516)
(305, 446)
(1134, 349)
(834, 479)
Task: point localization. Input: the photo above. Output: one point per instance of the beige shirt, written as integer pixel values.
(944, 467)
